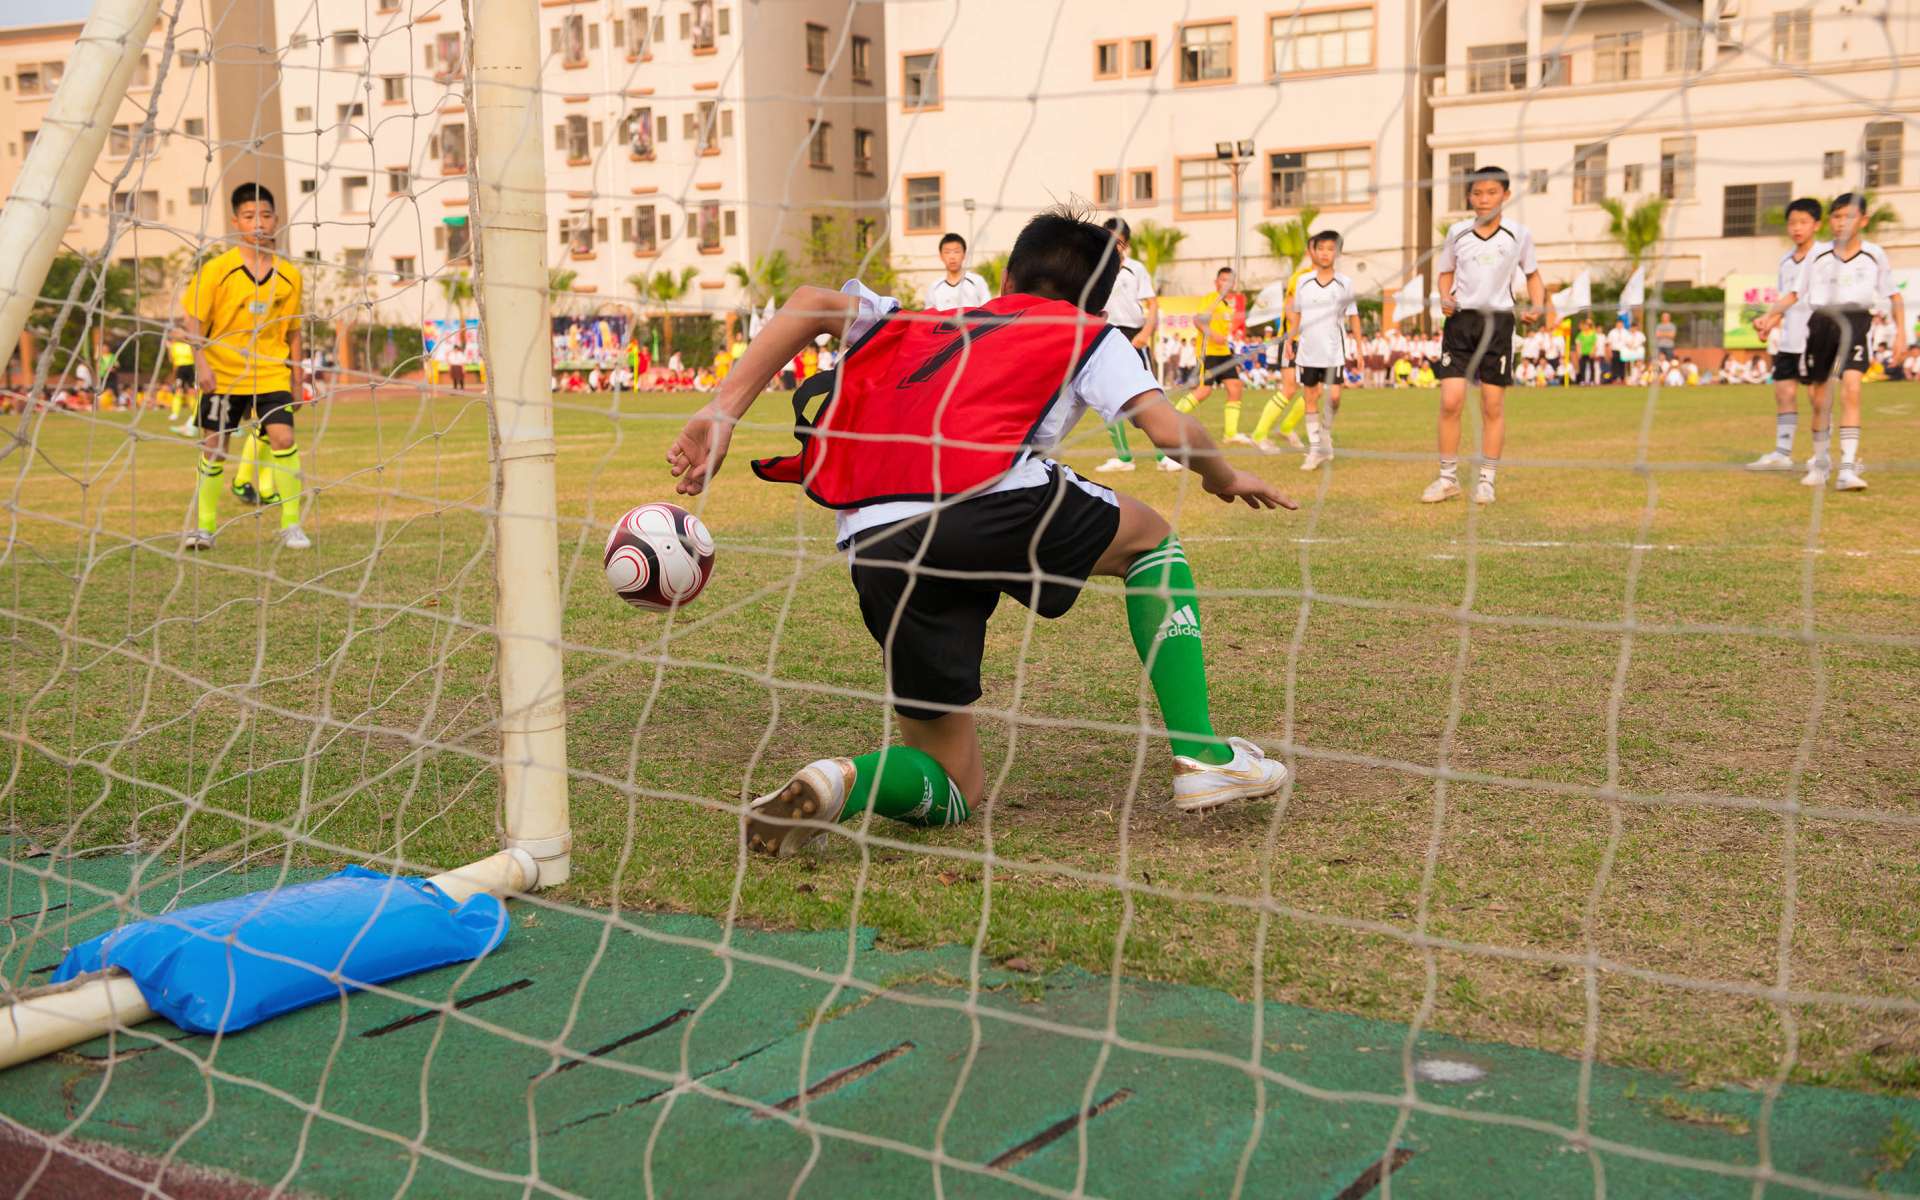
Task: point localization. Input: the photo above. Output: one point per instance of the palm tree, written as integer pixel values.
(458, 289)
(1154, 244)
(559, 285)
(770, 277)
(1287, 241)
(993, 269)
(1637, 230)
(665, 289)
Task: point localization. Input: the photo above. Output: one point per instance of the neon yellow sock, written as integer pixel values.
(1296, 409)
(208, 492)
(286, 472)
(1263, 428)
(173, 410)
(1187, 403)
(1232, 409)
(249, 461)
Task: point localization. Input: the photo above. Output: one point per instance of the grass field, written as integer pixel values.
(204, 707)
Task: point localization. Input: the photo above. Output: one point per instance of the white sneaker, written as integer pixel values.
(1314, 461)
(1239, 439)
(1198, 786)
(197, 539)
(1440, 489)
(1483, 492)
(1268, 446)
(1114, 464)
(1169, 464)
(816, 795)
(1293, 439)
(294, 538)
(1849, 480)
(1816, 475)
(1772, 460)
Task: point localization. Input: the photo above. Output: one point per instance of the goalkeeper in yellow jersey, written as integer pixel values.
(242, 311)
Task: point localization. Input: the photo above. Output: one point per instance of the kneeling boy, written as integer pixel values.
(939, 532)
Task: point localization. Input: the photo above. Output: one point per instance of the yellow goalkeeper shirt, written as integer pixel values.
(249, 323)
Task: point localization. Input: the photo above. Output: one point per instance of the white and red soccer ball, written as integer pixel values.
(659, 556)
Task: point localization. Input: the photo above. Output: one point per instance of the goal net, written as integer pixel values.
(1592, 872)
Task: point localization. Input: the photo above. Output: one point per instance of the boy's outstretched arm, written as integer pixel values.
(1183, 438)
(696, 455)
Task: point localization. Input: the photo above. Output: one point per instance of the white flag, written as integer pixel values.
(758, 321)
(1576, 297)
(1635, 293)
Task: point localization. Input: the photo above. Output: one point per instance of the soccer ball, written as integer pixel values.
(659, 556)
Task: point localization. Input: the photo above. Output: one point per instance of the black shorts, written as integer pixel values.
(1836, 344)
(1215, 368)
(1315, 376)
(1036, 545)
(1478, 346)
(183, 376)
(1786, 366)
(223, 413)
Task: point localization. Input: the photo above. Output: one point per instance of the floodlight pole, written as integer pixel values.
(71, 136)
(507, 177)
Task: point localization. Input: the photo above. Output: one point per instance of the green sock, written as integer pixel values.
(1118, 432)
(209, 492)
(906, 785)
(286, 472)
(1163, 613)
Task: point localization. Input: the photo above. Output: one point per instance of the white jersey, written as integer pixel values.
(1484, 267)
(1323, 309)
(971, 292)
(1793, 279)
(1132, 288)
(1862, 281)
(1111, 377)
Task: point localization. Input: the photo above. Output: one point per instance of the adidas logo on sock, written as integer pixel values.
(1181, 622)
(925, 806)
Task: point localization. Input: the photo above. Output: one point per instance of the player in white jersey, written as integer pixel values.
(1475, 269)
(1323, 308)
(1789, 316)
(959, 287)
(1845, 282)
(1133, 308)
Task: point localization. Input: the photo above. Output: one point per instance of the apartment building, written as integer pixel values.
(1728, 111)
(1142, 108)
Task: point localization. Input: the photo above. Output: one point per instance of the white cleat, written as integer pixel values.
(295, 538)
(1169, 465)
(1816, 475)
(1483, 492)
(1440, 489)
(1772, 460)
(1314, 460)
(1849, 480)
(1114, 464)
(197, 539)
(1293, 439)
(1268, 446)
(1239, 439)
(1198, 786)
(816, 795)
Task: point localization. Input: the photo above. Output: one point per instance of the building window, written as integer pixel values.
(819, 146)
(393, 88)
(447, 63)
(1140, 56)
(920, 81)
(1536, 183)
(570, 137)
(1630, 179)
(1556, 70)
(1206, 186)
(120, 141)
(347, 47)
(862, 59)
(1206, 52)
(863, 144)
(1616, 57)
(709, 224)
(636, 33)
(1143, 186)
(343, 114)
(567, 41)
(1497, 68)
(1684, 44)
(142, 206)
(728, 225)
(1833, 164)
(702, 33)
(453, 149)
(1322, 178)
(1106, 189)
(142, 72)
(306, 187)
(353, 193)
(706, 127)
(1106, 60)
(925, 210)
(1884, 144)
(816, 48)
(27, 79)
(637, 132)
(459, 240)
(1793, 36)
(303, 114)
(576, 232)
(1676, 168)
(403, 267)
(645, 230)
(1322, 41)
(1754, 209)
(197, 197)
(1590, 173)
(1459, 167)
(399, 182)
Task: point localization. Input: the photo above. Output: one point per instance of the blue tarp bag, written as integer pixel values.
(233, 963)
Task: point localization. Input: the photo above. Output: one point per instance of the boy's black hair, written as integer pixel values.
(1325, 235)
(1223, 271)
(1807, 205)
(1060, 255)
(953, 237)
(1119, 226)
(248, 193)
(1852, 200)
(1497, 174)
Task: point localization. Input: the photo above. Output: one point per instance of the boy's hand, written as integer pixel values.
(696, 455)
(1764, 323)
(1257, 492)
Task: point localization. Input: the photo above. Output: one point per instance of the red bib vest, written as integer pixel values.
(928, 406)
